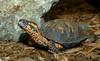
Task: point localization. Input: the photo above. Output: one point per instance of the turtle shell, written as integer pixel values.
(67, 33)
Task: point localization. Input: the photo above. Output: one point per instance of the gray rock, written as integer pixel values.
(12, 10)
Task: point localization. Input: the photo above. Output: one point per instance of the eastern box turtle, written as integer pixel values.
(56, 34)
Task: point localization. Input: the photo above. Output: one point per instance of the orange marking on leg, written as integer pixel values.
(58, 45)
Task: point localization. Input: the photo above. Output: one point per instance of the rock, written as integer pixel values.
(12, 10)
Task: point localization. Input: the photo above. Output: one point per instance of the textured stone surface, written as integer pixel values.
(12, 10)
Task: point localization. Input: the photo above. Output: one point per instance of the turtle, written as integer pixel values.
(56, 34)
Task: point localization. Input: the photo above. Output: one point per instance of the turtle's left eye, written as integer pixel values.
(32, 27)
(33, 30)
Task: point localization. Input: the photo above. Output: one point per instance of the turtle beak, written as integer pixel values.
(22, 23)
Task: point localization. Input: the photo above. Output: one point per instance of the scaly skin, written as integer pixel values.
(37, 38)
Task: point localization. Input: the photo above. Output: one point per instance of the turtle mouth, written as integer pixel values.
(22, 23)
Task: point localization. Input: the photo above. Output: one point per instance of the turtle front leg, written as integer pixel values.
(53, 48)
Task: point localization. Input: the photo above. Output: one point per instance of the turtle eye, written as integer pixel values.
(33, 26)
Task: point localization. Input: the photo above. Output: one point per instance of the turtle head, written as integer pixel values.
(27, 25)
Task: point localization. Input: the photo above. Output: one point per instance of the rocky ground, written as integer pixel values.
(87, 51)
(12, 51)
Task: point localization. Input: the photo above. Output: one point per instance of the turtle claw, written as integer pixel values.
(54, 50)
(50, 51)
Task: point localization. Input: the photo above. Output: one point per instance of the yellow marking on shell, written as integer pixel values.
(71, 28)
(61, 30)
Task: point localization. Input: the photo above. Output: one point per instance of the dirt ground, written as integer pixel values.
(87, 51)
(13, 51)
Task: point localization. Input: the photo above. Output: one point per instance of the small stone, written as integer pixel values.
(12, 10)
(26, 59)
(1, 60)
